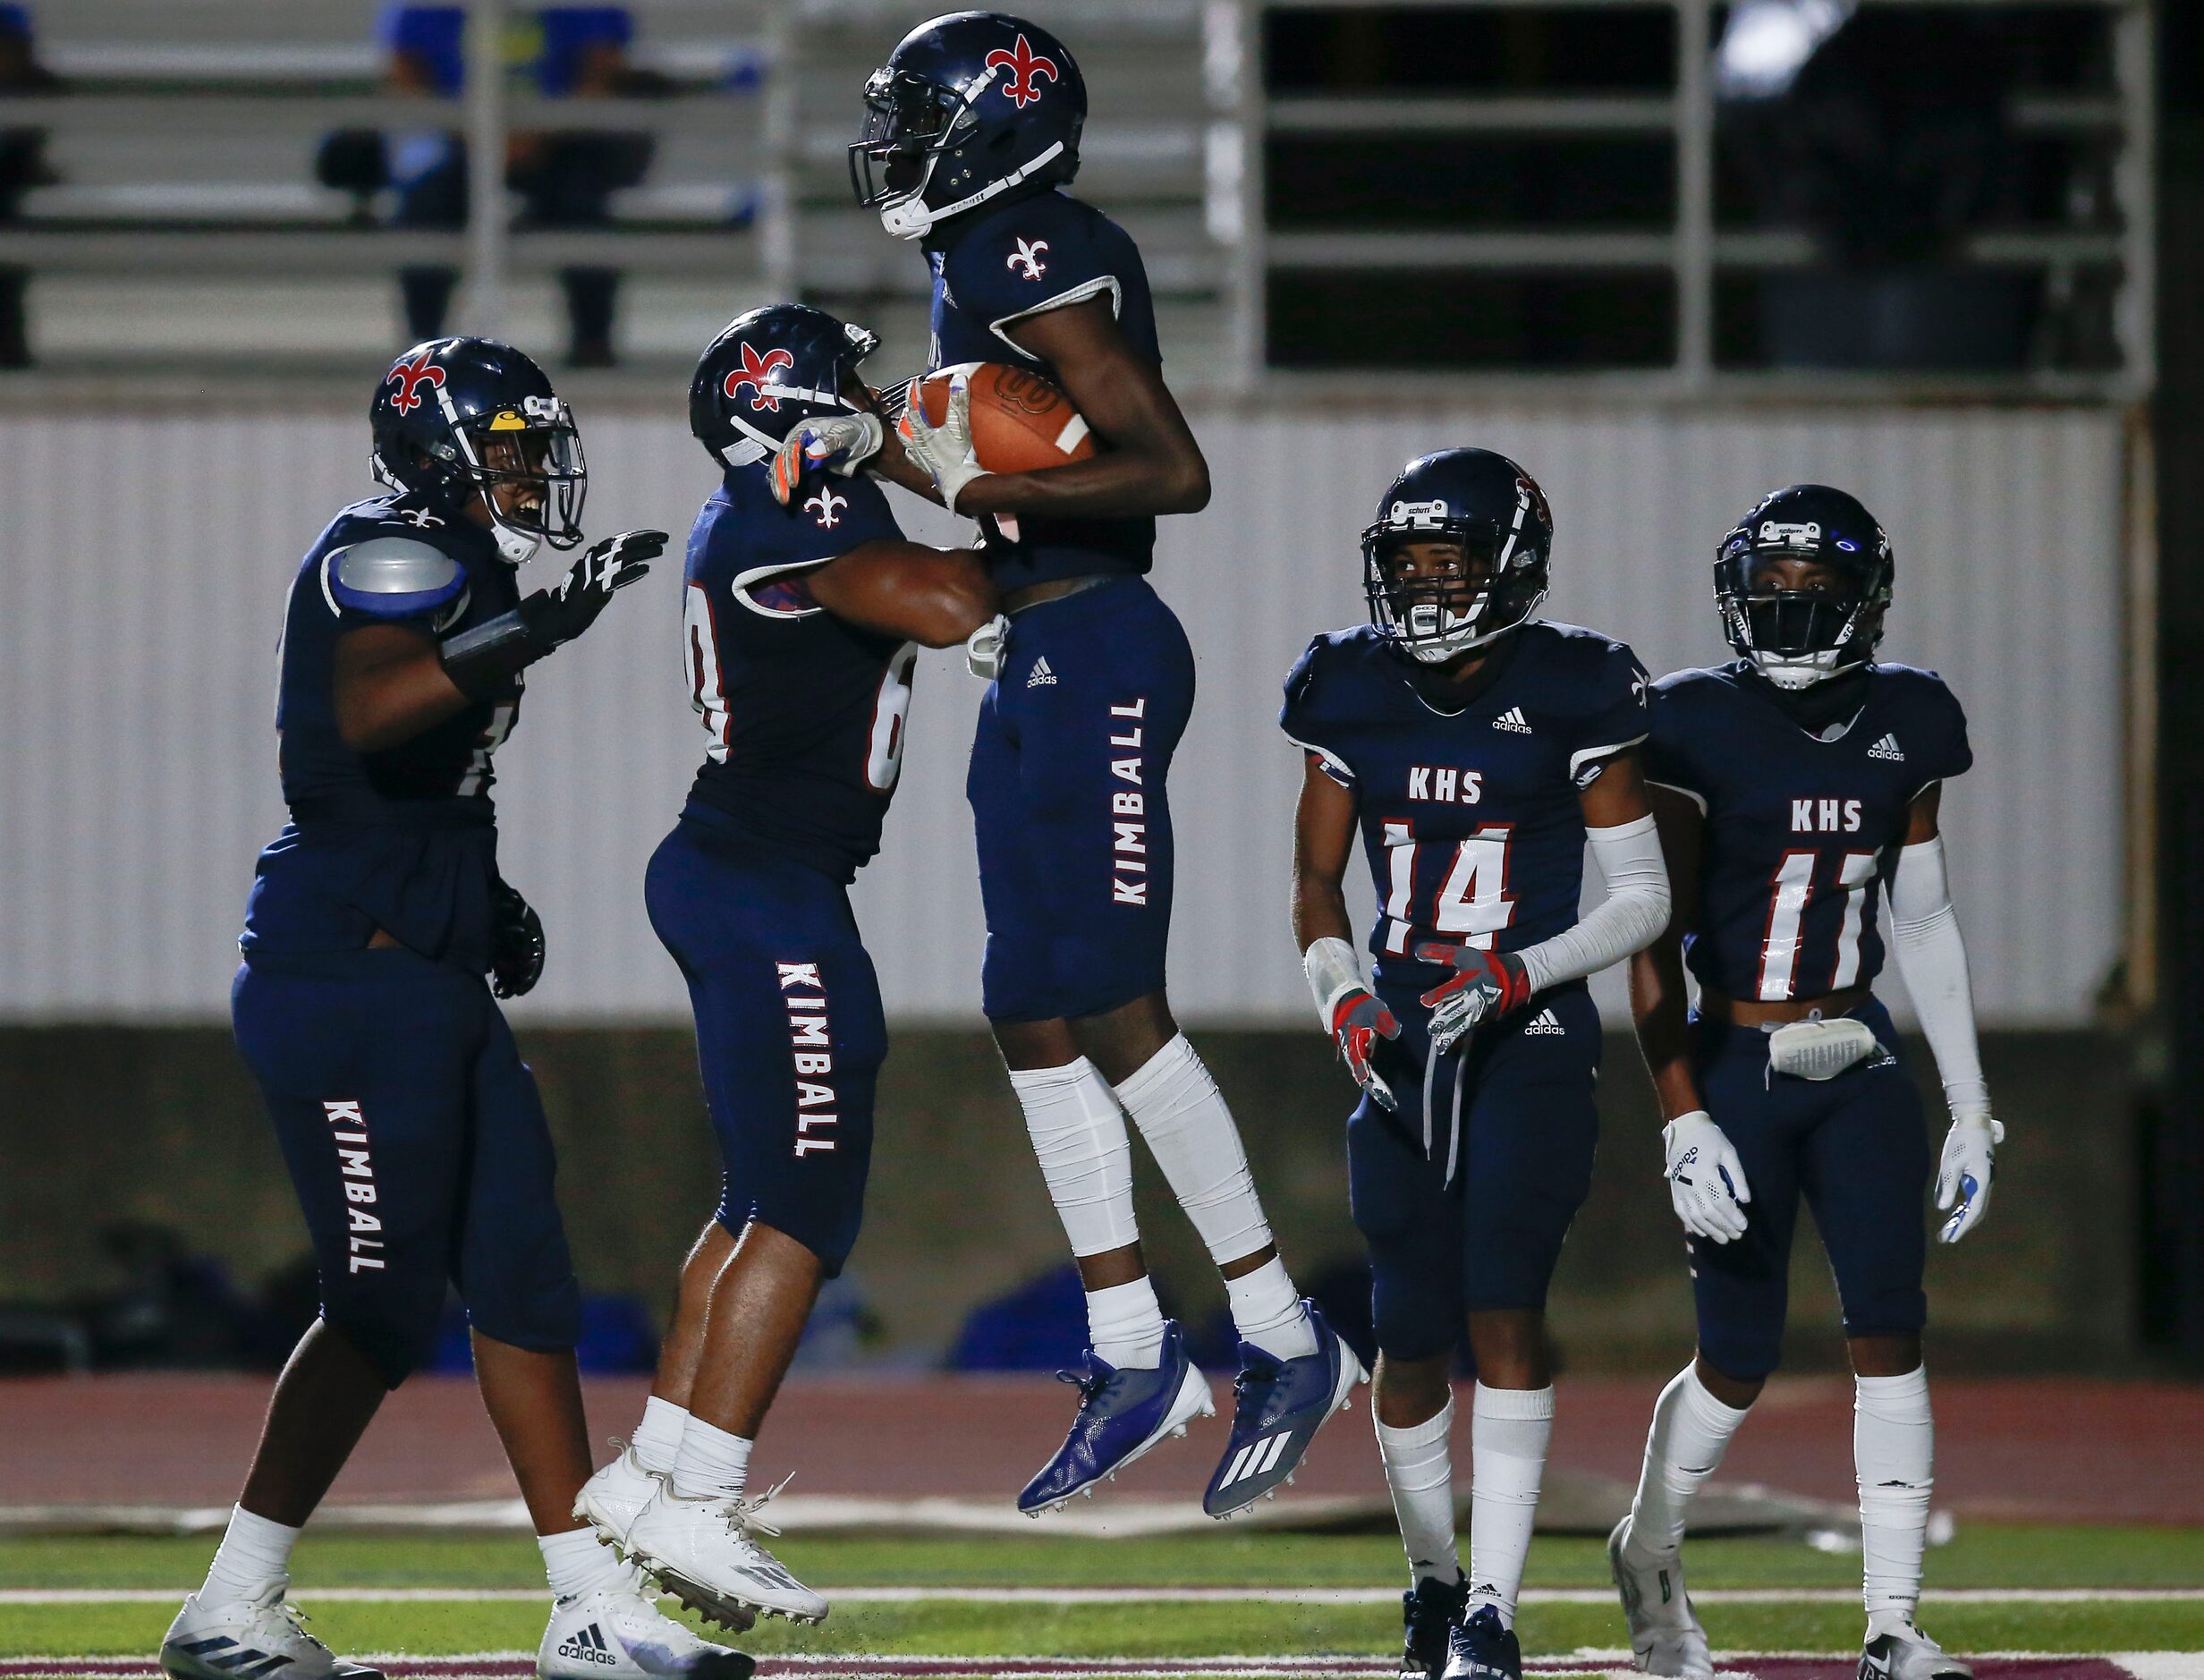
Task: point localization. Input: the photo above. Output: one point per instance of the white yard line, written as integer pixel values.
(1143, 1595)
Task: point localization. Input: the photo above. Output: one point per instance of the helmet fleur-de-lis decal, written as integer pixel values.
(1024, 65)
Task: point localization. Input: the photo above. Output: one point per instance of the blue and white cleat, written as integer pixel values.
(1481, 1647)
(1121, 1413)
(1280, 1404)
(1428, 1612)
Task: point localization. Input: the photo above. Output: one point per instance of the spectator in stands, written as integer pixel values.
(1885, 135)
(22, 166)
(566, 179)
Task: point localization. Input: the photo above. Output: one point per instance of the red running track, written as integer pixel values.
(2050, 1450)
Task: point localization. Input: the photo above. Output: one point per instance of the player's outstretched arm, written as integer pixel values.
(1323, 840)
(1706, 1180)
(1924, 935)
(1147, 462)
(393, 682)
(935, 597)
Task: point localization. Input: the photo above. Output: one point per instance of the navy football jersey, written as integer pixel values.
(400, 839)
(1470, 818)
(1797, 826)
(1000, 266)
(805, 712)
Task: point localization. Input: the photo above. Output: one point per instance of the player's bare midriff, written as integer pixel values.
(1055, 589)
(1717, 1007)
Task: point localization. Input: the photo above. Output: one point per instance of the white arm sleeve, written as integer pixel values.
(1633, 913)
(1924, 935)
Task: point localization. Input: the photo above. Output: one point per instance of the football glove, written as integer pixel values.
(1359, 1023)
(516, 943)
(1706, 1180)
(1484, 986)
(838, 443)
(1963, 1175)
(945, 451)
(556, 617)
(984, 647)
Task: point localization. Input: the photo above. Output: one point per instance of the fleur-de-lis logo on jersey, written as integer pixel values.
(1027, 258)
(419, 517)
(409, 376)
(827, 506)
(1023, 64)
(755, 371)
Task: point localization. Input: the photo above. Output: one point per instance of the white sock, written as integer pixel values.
(1125, 1324)
(1420, 1470)
(1268, 1313)
(576, 1562)
(656, 1439)
(254, 1551)
(1509, 1430)
(712, 1464)
(1190, 1132)
(1893, 1450)
(1690, 1431)
(1079, 1136)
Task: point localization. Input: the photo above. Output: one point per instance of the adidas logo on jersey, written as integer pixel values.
(1887, 747)
(1041, 676)
(589, 1646)
(1514, 721)
(1546, 1027)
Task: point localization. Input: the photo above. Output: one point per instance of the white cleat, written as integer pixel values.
(249, 1638)
(621, 1634)
(1665, 1634)
(704, 1553)
(612, 1500)
(1896, 1650)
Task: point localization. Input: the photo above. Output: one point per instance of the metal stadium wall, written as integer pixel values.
(144, 553)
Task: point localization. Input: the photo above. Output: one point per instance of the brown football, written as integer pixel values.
(1020, 420)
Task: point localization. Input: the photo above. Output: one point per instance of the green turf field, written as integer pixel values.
(1983, 1557)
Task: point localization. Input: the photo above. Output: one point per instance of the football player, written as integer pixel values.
(971, 132)
(412, 1129)
(1790, 784)
(797, 633)
(1476, 751)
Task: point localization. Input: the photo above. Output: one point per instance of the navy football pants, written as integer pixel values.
(418, 1145)
(1514, 1113)
(1856, 1148)
(1066, 785)
(790, 1032)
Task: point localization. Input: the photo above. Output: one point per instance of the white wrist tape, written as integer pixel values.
(1924, 935)
(1332, 969)
(1630, 917)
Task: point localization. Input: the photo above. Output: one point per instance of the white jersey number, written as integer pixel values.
(1472, 900)
(1792, 889)
(700, 647)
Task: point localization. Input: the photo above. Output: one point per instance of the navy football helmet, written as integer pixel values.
(1797, 637)
(458, 418)
(1495, 515)
(968, 106)
(768, 371)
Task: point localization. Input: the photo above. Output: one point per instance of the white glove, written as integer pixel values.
(983, 649)
(1706, 1180)
(1963, 1175)
(945, 451)
(838, 443)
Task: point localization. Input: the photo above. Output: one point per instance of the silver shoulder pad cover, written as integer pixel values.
(395, 566)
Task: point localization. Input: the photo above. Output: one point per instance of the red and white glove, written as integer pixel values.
(838, 443)
(1484, 986)
(1354, 1016)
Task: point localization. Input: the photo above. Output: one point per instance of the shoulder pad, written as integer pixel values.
(392, 577)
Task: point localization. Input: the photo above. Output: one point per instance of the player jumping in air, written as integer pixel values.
(1789, 784)
(1476, 751)
(797, 632)
(412, 1131)
(972, 129)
